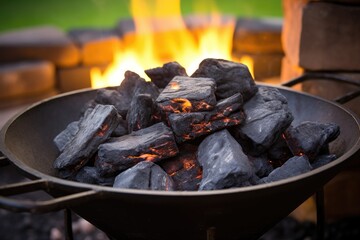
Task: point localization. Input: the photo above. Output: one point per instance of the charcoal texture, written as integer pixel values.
(94, 129)
(224, 163)
(230, 77)
(140, 113)
(188, 126)
(185, 94)
(184, 168)
(261, 165)
(121, 129)
(267, 117)
(146, 176)
(279, 152)
(310, 138)
(161, 76)
(148, 144)
(323, 160)
(90, 175)
(292, 167)
(122, 96)
(66, 135)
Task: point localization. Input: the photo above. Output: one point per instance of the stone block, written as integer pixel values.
(70, 79)
(322, 35)
(261, 66)
(23, 79)
(39, 43)
(97, 46)
(258, 35)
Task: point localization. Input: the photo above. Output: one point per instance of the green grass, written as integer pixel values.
(67, 14)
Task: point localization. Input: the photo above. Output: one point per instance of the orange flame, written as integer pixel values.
(161, 36)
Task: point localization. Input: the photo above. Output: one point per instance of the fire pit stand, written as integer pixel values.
(63, 202)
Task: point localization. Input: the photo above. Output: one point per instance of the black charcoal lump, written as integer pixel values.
(146, 176)
(94, 129)
(148, 144)
(161, 76)
(185, 94)
(323, 160)
(140, 113)
(224, 163)
(90, 175)
(230, 77)
(310, 138)
(188, 126)
(294, 166)
(66, 135)
(267, 117)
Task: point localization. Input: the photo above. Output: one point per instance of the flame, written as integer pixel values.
(161, 36)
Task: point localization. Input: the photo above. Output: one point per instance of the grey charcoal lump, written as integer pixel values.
(213, 130)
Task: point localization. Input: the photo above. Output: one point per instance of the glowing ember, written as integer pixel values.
(161, 35)
(145, 157)
(174, 85)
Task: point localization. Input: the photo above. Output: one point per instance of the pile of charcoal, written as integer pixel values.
(215, 129)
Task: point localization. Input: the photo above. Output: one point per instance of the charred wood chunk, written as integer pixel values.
(66, 135)
(113, 97)
(224, 163)
(279, 152)
(184, 168)
(261, 165)
(230, 77)
(94, 129)
(121, 129)
(185, 94)
(148, 144)
(90, 175)
(161, 76)
(144, 175)
(310, 138)
(294, 166)
(267, 117)
(323, 160)
(121, 96)
(188, 126)
(140, 113)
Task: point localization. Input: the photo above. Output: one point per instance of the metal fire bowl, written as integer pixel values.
(238, 213)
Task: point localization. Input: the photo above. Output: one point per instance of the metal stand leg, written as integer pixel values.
(320, 215)
(68, 225)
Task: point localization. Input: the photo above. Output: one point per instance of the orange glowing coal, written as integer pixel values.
(162, 36)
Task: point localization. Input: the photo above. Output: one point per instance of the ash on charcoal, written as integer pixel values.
(230, 77)
(184, 168)
(267, 117)
(148, 144)
(94, 129)
(144, 175)
(90, 175)
(161, 76)
(224, 163)
(292, 167)
(66, 135)
(323, 160)
(310, 138)
(185, 94)
(140, 112)
(188, 126)
(121, 97)
(261, 165)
